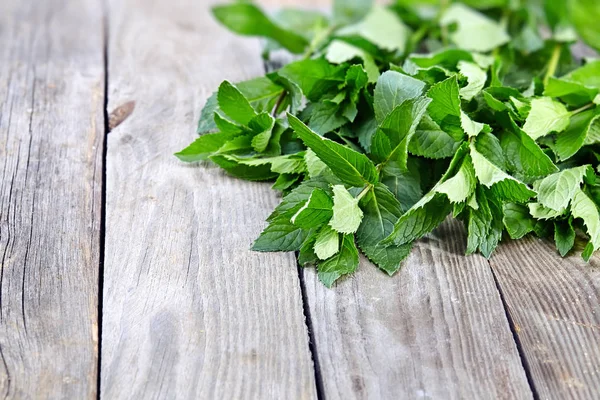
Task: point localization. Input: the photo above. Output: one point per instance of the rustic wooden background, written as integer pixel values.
(126, 275)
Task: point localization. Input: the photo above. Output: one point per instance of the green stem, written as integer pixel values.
(582, 109)
(317, 41)
(553, 63)
(364, 192)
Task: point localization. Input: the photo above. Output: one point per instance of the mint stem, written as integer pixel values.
(553, 63)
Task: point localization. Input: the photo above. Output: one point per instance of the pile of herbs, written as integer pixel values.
(389, 119)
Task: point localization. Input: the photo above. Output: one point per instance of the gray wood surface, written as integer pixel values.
(51, 140)
(189, 311)
(436, 330)
(555, 306)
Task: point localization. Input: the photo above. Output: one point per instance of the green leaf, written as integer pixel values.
(351, 167)
(314, 165)
(390, 143)
(446, 101)
(327, 243)
(578, 87)
(393, 89)
(203, 147)
(557, 190)
(546, 116)
(503, 185)
(381, 211)
(345, 12)
(288, 164)
(347, 215)
(538, 211)
(404, 184)
(233, 103)
(343, 263)
(263, 124)
(383, 28)
(471, 127)
(476, 78)
(584, 208)
(431, 141)
(517, 220)
(248, 172)
(261, 92)
(292, 202)
(339, 52)
(462, 185)
(474, 31)
(285, 182)
(433, 208)
(485, 225)
(564, 236)
(316, 212)
(315, 77)
(206, 124)
(247, 19)
(280, 235)
(522, 153)
(326, 116)
(576, 135)
(585, 15)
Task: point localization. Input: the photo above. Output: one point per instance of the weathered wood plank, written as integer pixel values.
(51, 140)
(555, 306)
(436, 330)
(189, 311)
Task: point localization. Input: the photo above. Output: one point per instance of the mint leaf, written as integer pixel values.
(523, 155)
(434, 207)
(476, 78)
(247, 19)
(315, 77)
(339, 52)
(393, 89)
(233, 103)
(381, 211)
(557, 190)
(585, 15)
(351, 167)
(316, 211)
(517, 220)
(538, 211)
(203, 147)
(546, 116)
(343, 263)
(345, 12)
(584, 208)
(390, 143)
(577, 134)
(431, 141)
(564, 236)
(234, 167)
(347, 215)
(281, 235)
(383, 28)
(485, 225)
(503, 185)
(578, 87)
(327, 243)
(474, 31)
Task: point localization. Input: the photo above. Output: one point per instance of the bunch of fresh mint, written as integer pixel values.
(392, 118)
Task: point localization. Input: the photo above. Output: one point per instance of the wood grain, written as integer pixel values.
(555, 306)
(437, 330)
(189, 311)
(51, 139)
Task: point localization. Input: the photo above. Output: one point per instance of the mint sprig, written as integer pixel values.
(390, 119)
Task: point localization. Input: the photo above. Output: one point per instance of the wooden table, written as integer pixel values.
(126, 275)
